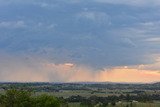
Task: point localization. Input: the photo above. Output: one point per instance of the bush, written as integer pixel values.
(14, 98)
(113, 103)
(21, 98)
(46, 101)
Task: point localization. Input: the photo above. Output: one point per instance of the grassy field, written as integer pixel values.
(68, 93)
(84, 93)
(123, 104)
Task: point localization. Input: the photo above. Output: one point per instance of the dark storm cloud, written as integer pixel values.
(99, 33)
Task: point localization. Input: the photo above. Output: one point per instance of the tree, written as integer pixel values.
(15, 98)
(21, 98)
(104, 104)
(113, 103)
(46, 101)
(128, 97)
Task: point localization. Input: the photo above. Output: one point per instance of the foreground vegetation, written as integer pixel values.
(21, 98)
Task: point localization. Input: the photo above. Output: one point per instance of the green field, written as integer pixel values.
(123, 104)
(68, 93)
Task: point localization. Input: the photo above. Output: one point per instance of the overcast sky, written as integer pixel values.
(79, 37)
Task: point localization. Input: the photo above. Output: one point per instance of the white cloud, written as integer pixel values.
(125, 2)
(12, 24)
(132, 2)
(95, 16)
(155, 40)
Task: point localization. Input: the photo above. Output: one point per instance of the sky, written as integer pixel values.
(79, 41)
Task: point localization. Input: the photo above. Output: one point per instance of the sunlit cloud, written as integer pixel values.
(118, 74)
(129, 75)
(40, 70)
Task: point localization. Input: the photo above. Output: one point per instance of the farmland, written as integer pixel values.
(93, 94)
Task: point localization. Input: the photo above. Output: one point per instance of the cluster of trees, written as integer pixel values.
(93, 100)
(22, 98)
(104, 101)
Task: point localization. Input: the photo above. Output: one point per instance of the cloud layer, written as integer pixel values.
(97, 34)
(40, 70)
(132, 3)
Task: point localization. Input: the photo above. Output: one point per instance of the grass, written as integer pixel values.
(69, 93)
(123, 104)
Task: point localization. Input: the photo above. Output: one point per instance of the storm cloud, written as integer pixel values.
(99, 34)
